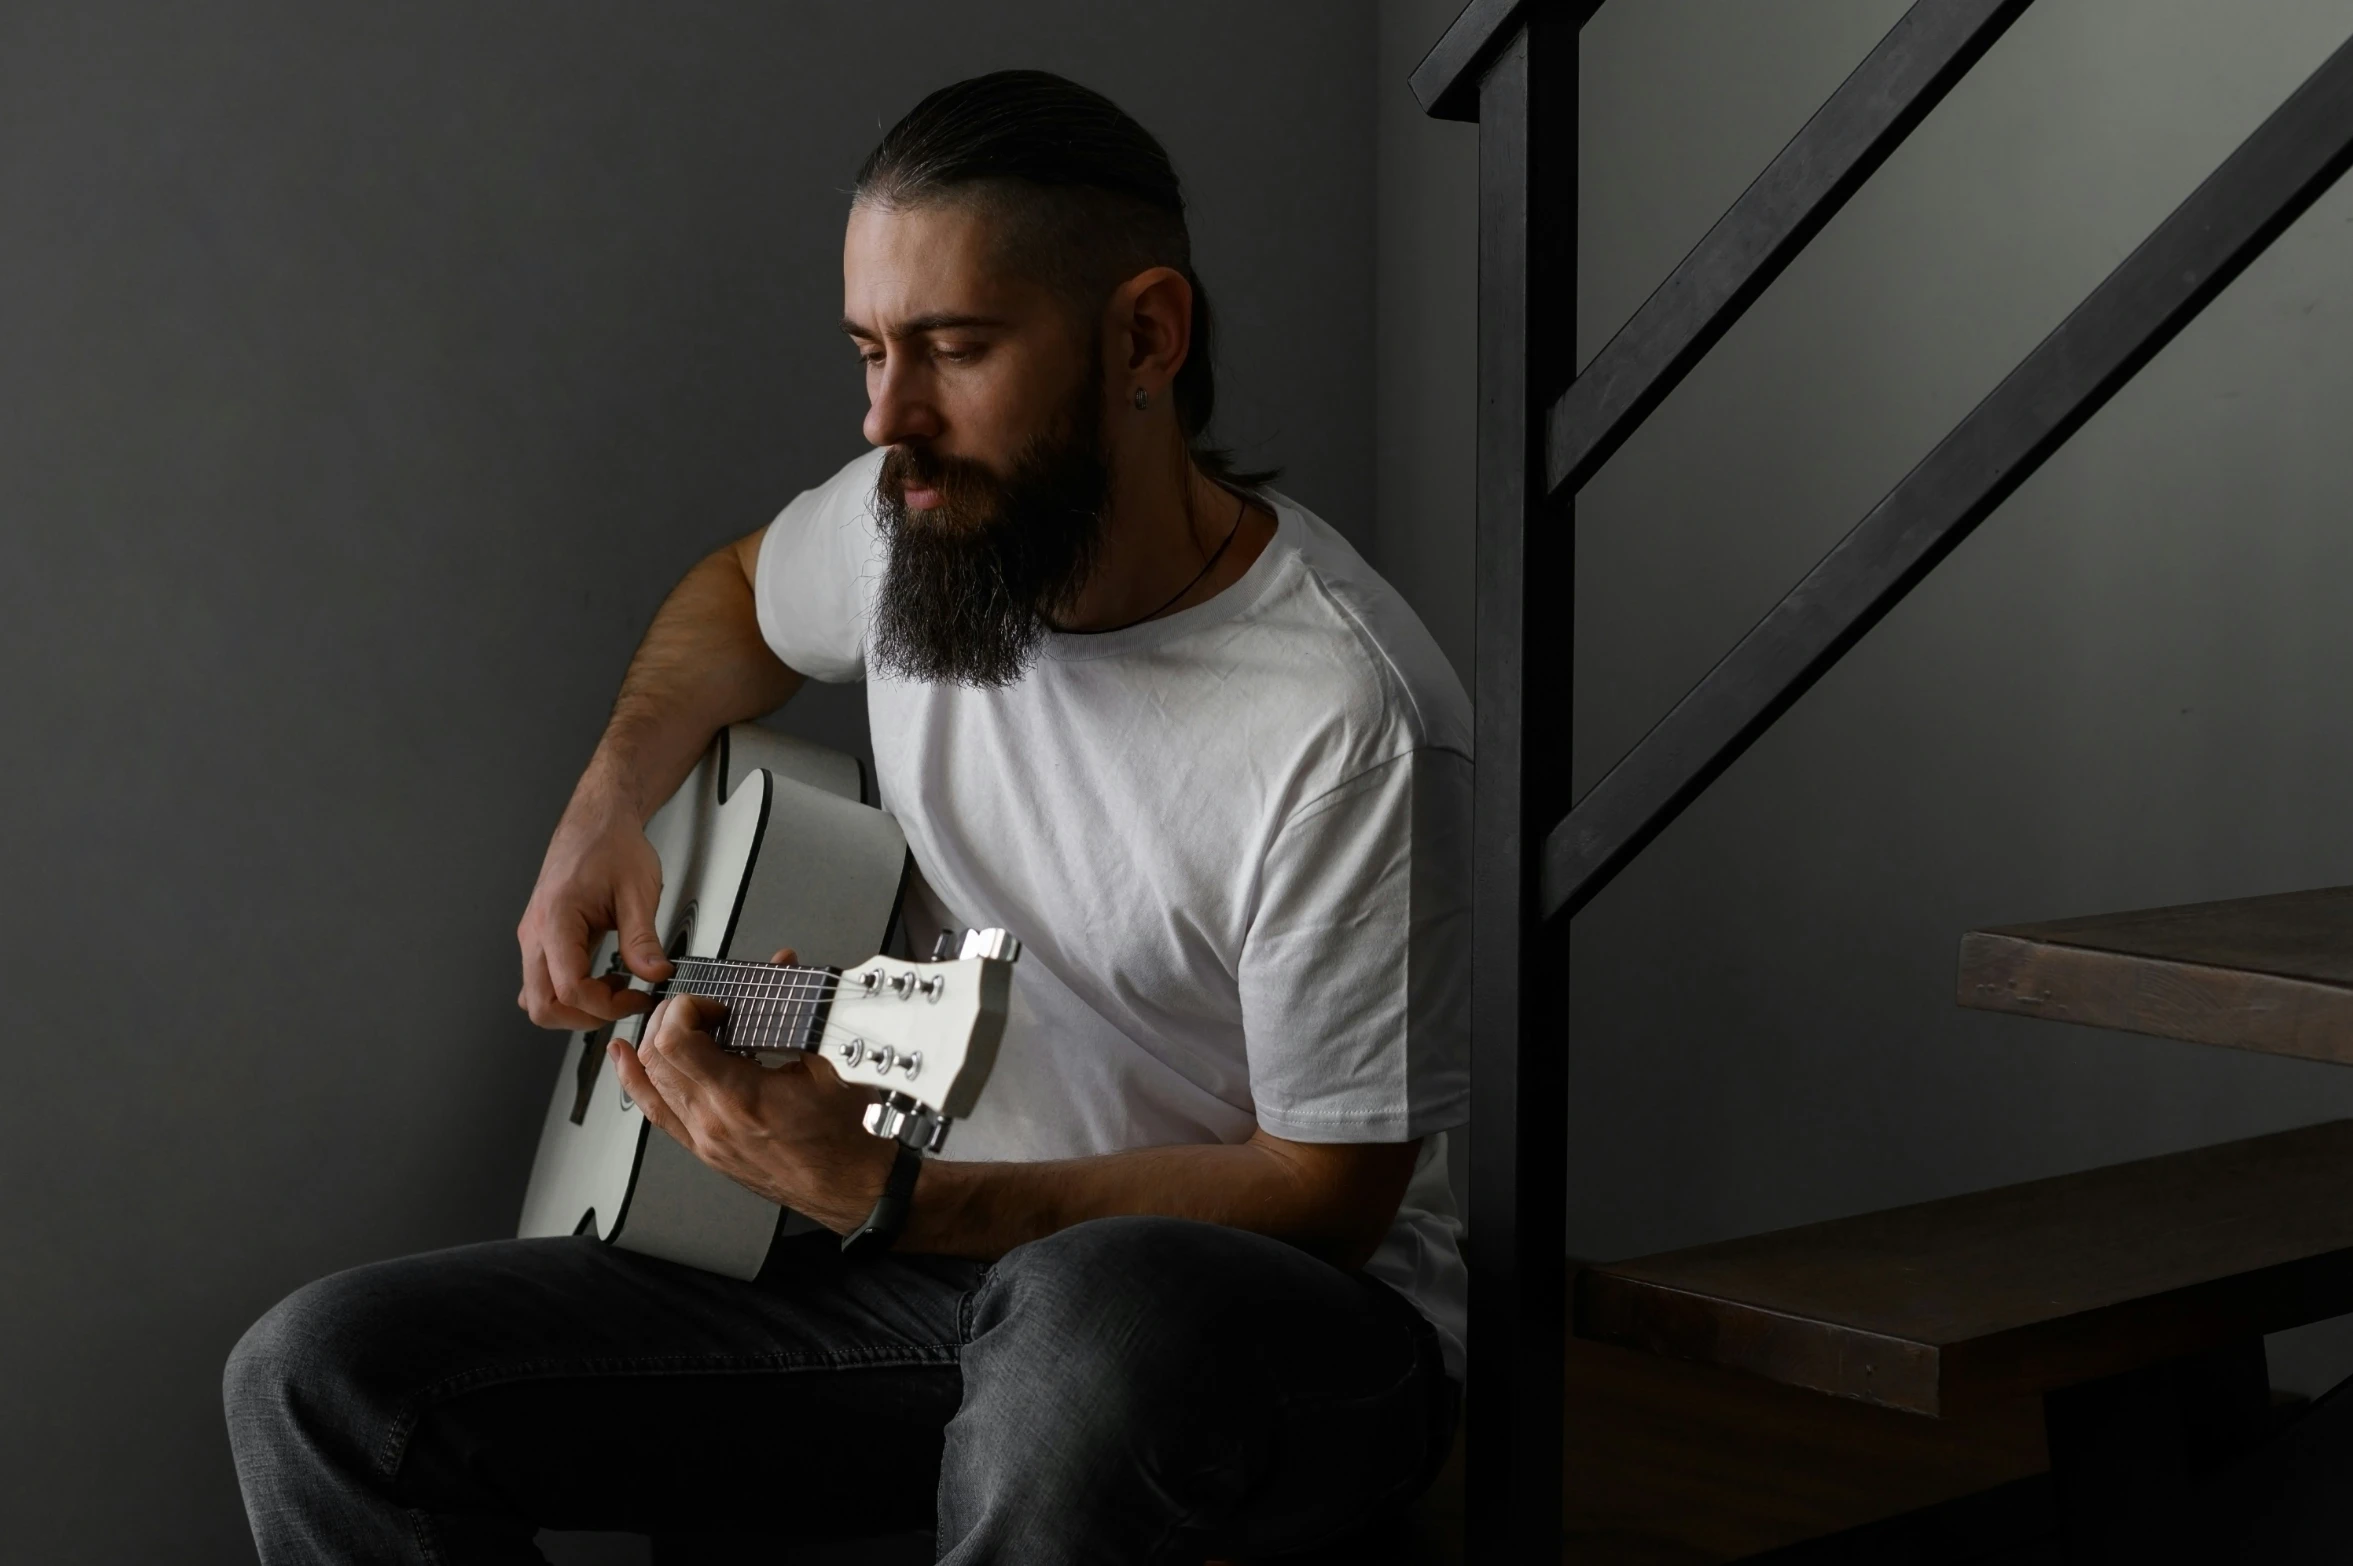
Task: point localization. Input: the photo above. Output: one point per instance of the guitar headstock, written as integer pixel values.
(924, 1033)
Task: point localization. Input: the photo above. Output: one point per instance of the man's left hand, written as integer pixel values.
(792, 1134)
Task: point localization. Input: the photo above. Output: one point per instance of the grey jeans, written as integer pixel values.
(1130, 1389)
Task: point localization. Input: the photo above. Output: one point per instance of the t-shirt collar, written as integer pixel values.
(1078, 646)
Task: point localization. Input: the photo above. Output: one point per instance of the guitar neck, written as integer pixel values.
(769, 1005)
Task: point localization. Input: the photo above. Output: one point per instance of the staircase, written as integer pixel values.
(2077, 1295)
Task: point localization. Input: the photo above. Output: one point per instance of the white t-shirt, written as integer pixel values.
(1234, 842)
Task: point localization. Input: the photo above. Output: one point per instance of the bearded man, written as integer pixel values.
(1190, 1284)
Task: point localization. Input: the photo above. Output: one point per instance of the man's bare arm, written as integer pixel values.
(1334, 1200)
(702, 665)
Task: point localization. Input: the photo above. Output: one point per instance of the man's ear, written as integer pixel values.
(1151, 330)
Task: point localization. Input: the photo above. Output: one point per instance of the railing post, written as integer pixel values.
(1519, 1154)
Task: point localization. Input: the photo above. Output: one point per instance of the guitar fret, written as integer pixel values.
(769, 1005)
(763, 1003)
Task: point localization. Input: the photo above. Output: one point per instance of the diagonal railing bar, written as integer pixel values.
(1930, 48)
(2158, 289)
(1446, 83)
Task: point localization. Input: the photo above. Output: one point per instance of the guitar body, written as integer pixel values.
(768, 844)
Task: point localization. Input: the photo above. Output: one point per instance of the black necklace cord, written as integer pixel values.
(1207, 566)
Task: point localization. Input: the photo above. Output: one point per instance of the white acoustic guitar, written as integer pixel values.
(769, 844)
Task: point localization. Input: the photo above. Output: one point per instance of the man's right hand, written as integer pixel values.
(600, 874)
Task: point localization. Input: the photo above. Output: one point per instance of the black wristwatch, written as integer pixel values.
(881, 1228)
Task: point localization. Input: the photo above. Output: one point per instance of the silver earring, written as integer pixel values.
(1143, 399)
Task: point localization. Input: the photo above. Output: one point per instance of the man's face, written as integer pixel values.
(988, 392)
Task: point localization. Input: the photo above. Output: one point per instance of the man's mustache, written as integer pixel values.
(956, 479)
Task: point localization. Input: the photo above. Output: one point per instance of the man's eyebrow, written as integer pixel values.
(937, 321)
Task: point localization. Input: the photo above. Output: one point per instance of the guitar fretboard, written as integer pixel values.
(769, 1005)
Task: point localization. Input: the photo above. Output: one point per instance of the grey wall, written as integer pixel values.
(368, 374)
(2130, 688)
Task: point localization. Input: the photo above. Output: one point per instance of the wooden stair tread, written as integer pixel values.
(2264, 973)
(2003, 1293)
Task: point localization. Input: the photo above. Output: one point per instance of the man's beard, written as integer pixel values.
(973, 584)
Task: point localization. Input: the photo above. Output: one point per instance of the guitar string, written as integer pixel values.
(744, 1028)
(771, 1005)
(782, 1007)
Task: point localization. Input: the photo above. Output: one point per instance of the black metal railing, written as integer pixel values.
(1801, 190)
(1511, 65)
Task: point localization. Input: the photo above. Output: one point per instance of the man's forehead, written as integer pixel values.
(933, 267)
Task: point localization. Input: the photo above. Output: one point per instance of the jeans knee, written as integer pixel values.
(288, 1368)
(1104, 1315)
(261, 1366)
(1099, 1281)
(1104, 1374)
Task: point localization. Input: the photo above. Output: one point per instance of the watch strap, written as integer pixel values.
(881, 1228)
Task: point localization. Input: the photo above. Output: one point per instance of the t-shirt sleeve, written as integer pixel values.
(1355, 974)
(819, 562)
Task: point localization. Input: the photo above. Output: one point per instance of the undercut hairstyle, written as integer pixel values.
(1083, 196)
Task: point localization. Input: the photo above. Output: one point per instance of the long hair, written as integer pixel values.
(1086, 195)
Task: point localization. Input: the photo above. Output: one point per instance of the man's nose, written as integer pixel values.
(899, 409)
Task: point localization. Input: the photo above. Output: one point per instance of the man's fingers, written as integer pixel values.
(682, 1013)
(538, 999)
(677, 1041)
(565, 951)
(633, 919)
(706, 1085)
(534, 996)
(784, 956)
(604, 999)
(643, 1092)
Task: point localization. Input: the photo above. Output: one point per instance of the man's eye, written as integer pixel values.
(957, 355)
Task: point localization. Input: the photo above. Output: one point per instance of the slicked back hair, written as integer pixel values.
(1086, 198)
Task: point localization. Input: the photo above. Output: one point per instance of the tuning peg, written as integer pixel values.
(902, 1119)
(945, 948)
(997, 944)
